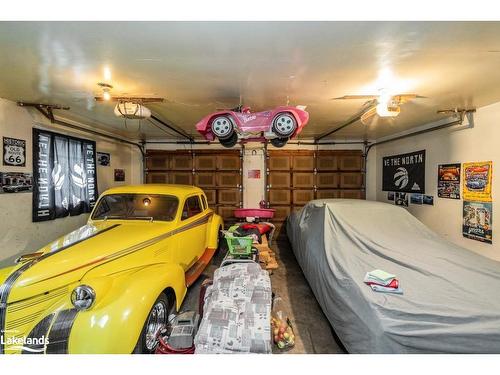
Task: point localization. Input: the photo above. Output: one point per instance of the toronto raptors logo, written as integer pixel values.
(401, 178)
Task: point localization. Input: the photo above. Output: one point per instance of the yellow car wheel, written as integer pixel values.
(156, 321)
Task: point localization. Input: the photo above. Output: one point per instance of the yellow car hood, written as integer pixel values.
(67, 259)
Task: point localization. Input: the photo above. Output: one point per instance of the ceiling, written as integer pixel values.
(200, 66)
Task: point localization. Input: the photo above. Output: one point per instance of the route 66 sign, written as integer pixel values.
(14, 152)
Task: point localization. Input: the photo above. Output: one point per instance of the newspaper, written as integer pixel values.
(237, 312)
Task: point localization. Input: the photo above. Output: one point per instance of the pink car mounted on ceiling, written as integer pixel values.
(277, 125)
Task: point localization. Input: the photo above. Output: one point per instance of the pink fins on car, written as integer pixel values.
(277, 125)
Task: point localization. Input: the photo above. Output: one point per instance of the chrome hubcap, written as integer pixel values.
(285, 124)
(157, 320)
(222, 127)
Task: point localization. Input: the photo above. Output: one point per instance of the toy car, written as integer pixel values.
(277, 125)
(109, 286)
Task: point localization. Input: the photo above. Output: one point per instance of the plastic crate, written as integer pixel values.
(240, 246)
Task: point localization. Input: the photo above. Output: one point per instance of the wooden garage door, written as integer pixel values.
(296, 177)
(217, 172)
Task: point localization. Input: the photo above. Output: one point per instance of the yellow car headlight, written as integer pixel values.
(83, 297)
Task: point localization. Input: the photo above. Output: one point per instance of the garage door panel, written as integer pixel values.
(182, 178)
(279, 180)
(157, 178)
(326, 162)
(228, 196)
(181, 162)
(350, 162)
(205, 162)
(228, 162)
(158, 162)
(327, 180)
(327, 194)
(351, 194)
(303, 162)
(228, 179)
(351, 180)
(281, 212)
(279, 196)
(211, 197)
(301, 197)
(279, 163)
(303, 180)
(205, 179)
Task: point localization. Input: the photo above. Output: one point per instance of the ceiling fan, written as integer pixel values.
(383, 104)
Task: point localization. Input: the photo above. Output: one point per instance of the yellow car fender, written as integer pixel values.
(5, 272)
(114, 323)
(213, 226)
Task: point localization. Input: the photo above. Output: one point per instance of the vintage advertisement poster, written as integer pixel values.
(16, 182)
(477, 181)
(477, 221)
(449, 181)
(404, 173)
(14, 152)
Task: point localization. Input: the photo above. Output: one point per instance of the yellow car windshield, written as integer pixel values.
(136, 207)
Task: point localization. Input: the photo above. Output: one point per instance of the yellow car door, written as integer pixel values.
(193, 231)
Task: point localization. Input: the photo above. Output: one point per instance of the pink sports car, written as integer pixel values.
(277, 125)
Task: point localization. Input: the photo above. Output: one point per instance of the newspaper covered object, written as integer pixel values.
(237, 312)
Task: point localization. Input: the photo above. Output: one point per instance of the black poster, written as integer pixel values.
(404, 173)
(64, 175)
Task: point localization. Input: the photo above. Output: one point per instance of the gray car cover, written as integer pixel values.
(451, 300)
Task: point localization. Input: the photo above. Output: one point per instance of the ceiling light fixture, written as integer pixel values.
(106, 90)
(386, 105)
(106, 95)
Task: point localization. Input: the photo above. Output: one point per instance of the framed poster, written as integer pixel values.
(416, 198)
(401, 199)
(14, 152)
(16, 182)
(103, 159)
(478, 221)
(404, 173)
(64, 175)
(449, 181)
(119, 175)
(428, 199)
(477, 181)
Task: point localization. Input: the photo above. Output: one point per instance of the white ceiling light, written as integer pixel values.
(132, 111)
(106, 95)
(387, 106)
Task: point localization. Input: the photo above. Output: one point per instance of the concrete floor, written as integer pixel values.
(313, 332)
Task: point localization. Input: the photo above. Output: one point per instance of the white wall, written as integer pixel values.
(452, 145)
(18, 234)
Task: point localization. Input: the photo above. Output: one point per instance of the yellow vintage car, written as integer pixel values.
(109, 286)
